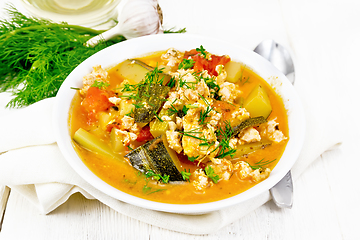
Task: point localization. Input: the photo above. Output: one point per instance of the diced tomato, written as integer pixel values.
(202, 63)
(145, 134)
(217, 60)
(96, 100)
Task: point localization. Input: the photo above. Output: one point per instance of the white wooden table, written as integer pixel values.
(327, 195)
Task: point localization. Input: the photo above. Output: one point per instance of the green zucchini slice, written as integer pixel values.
(248, 148)
(251, 122)
(150, 100)
(156, 156)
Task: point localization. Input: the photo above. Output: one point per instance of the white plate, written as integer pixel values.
(139, 46)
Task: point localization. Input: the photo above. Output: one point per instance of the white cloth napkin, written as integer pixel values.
(34, 166)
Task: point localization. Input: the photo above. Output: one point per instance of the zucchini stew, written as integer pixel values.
(179, 127)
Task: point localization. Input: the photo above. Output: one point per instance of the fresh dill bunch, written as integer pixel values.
(37, 55)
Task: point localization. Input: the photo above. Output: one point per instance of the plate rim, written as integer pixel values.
(134, 48)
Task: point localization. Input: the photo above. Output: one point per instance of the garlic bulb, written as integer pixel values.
(137, 18)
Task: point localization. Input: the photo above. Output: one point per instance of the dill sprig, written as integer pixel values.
(172, 30)
(100, 84)
(206, 113)
(185, 84)
(261, 164)
(151, 174)
(225, 134)
(204, 142)
(242, 79)
(186, 64)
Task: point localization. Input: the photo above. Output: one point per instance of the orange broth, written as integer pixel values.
(121, 175)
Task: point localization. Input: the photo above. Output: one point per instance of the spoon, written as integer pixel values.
(282, 192)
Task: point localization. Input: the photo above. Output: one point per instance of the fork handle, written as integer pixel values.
(282, 192)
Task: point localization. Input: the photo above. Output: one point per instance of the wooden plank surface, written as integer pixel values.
(4, 195)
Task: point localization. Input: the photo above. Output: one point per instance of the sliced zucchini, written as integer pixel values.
(155, 155)
(251, 122)
(248, 148)
(150, 100)
(159, 127)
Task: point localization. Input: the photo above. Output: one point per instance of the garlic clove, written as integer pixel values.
(113, 32)
(137, 18)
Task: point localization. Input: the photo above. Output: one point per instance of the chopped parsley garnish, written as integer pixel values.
(192, 159)
(211, 174)
(185, 109)
(186, 64)
(202, 50)
(215, 88)
(158, 177)
(186, 175)
(100, 84)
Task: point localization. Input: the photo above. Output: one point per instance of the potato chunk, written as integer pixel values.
(258, 103)
(135, 71)
(233, 70)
